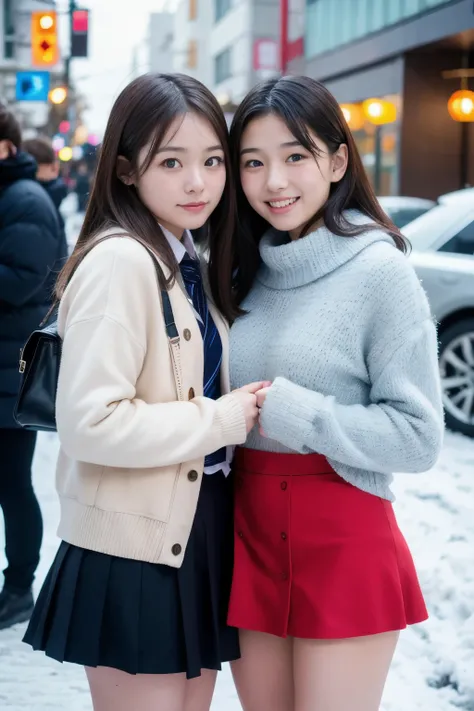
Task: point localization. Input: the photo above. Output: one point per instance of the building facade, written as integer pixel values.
(228, 44)
(405, 52)
(15, 55)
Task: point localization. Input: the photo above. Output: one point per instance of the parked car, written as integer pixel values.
(443, 255)
(403, 210)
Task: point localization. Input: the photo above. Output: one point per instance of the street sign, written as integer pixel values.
(32, 86)
(265, 55)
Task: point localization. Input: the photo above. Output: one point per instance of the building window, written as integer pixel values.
(192, 54)
(9, 31)
(222, 66)
(330, 24)
(222, 8)
(193, 9)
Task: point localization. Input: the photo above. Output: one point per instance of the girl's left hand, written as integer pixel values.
(261, 397)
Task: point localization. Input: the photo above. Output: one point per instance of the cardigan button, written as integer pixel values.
(193, 475)
(187, 334)
(176, 549)
(191, 394)
(283, 485)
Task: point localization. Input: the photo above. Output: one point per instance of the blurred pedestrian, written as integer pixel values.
(336, 318)
(48, 175)
(82, 186)
(139, 589)
(30, 238)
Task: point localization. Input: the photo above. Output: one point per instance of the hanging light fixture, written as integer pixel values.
(354, 116)
(379, 111)
(461, 105)
(461, 102)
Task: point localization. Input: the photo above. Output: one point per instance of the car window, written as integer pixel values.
(462, 243)
(426, 230)
(402, 216)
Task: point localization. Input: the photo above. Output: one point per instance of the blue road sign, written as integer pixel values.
(32, 86)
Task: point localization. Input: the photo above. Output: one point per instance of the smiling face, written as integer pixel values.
(283, 181)
(185, 180)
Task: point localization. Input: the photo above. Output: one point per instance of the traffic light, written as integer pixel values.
(79, 33)
(44, 39)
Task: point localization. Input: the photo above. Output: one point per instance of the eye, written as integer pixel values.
(170, 163)
(253, 163)
(214, 161)
(296, 158)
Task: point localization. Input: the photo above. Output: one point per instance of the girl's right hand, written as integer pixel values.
(248, 399)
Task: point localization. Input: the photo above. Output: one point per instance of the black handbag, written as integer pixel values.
(40, 359)
(39, 365)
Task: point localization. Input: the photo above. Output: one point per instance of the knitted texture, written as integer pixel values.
(342, 327)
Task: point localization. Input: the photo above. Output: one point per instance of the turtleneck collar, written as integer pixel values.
(22, 166)
(288, 264)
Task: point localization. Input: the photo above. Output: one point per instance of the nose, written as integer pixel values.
(194, 181)
(276, 178)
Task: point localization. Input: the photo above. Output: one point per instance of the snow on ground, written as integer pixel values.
(433, 669)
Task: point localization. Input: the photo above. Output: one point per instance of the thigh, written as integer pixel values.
(199, 691)
(336, 675)
(263, 675)
(115, 690)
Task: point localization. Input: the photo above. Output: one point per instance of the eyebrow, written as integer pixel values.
(180, 149)
(288, 144)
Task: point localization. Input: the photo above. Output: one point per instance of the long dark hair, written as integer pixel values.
(304, 105)
(144, 112)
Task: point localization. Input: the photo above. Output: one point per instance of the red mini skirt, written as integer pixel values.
(316, 557)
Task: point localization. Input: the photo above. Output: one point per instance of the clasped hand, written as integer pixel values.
(252, 398)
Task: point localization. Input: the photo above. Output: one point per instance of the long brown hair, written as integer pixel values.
(304, 105)
(143, 113)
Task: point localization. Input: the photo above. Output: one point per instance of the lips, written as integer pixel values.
(282, 202)
(194, 206)
(282, 206)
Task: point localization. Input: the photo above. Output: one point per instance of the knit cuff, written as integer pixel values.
(231, 417)
(286, 416)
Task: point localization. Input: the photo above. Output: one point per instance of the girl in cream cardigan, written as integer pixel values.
(139, 588)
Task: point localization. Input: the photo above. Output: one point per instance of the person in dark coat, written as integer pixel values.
(82, 187)
(47, 174)
(30, 244)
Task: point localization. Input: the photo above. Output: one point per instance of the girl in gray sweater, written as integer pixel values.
(334, 316)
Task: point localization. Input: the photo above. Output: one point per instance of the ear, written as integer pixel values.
(7, 149)
(124, 171)
(339, 163)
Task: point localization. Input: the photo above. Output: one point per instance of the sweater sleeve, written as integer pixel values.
(100, 418)
(401, 429)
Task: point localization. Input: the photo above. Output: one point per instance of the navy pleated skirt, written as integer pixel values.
(143, 618)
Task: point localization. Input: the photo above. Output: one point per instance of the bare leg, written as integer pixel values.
(114, 690)
(337, 675)
(264, 675)
(199, 691)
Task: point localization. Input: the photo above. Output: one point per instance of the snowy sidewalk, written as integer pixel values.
(434, 665)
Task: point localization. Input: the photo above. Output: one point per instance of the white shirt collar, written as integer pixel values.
(181, 247)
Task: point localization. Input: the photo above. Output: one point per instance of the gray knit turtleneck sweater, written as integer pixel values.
(342, 328)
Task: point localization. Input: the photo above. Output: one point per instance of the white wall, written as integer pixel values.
(160, 42)
(234, 30)
(197, 30)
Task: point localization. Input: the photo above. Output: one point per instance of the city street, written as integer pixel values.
(432, 670)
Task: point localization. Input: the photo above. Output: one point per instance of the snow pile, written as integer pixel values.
(433, 669)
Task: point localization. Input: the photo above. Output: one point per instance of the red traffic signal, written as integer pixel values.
(79, 33)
